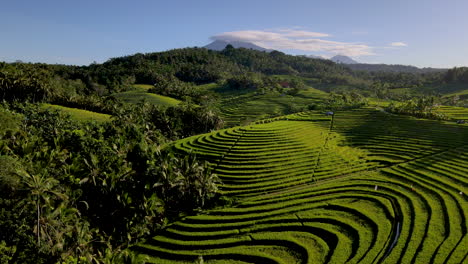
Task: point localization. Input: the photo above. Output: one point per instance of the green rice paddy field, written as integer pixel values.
(140, 93)
(361, 187)
(453, 112)
(243, 109)
(79, 114)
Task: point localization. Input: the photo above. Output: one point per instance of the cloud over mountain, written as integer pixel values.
(301, 40)
(398, 44)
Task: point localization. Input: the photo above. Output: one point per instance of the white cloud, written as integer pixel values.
(398, 44)
(248, 36)
(301, 40)
(302, 34)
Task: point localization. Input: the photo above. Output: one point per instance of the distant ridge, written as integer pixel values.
(315, 57)
(346, 61)
(343, 59)
(391, 68)
(357, 66)
(221, 44)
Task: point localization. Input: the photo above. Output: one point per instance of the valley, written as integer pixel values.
(232, 156)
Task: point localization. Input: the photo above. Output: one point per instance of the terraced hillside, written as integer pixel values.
(453, 112)
(245, 108)
(362, 187)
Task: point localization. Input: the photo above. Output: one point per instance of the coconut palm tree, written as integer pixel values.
(168, 176)
(43, 190)
(198, 181)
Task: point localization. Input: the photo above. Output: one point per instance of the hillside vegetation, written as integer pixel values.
(231, 156)
(364, 187)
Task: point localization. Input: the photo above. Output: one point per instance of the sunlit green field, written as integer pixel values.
(140, 94)
(463, 93)
(245, 108)
(361, 187)
(453, 112)
(79, 114)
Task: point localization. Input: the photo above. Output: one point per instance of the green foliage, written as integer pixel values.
(457, 75)
(24, 82)
(6, 253)
(174, 73)
(184, 182)
(343, 100)
(422, 107)
(245, 81)
(99, 104)
(68, 88)
(183, 120)
(77, 192)
(171, 86)
(10, 121)
(9, 180)
(73, 192)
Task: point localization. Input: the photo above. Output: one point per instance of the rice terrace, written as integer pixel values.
(363, 187)
(234, 132)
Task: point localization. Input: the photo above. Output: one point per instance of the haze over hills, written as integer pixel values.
(220, 45)
(380, 67)
(343, 59)
(391, 68)
(315, 57)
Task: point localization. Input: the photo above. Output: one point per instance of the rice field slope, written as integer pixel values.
(454, 112)
(245, 108)
(462, 93)
(79, 114)
(362, 187)
(141, 93)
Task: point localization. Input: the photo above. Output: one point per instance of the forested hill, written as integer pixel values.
(201, 65)
(73, 191)
(175, 72)
(391, 68)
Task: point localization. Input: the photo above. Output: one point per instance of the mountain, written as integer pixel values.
(221, 44)
(343, 59)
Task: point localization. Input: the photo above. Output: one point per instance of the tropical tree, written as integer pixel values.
(198, 184)
(44, 191)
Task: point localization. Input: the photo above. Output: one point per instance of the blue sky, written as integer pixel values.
(425, 33)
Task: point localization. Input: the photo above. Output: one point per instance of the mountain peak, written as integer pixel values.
(343, 59)
(221, 44)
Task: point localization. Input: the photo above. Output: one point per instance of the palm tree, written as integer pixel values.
(42, 188)
(198, 182)
(168, 176)
(207, 117)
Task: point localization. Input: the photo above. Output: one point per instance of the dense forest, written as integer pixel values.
(74, 192)
(81, 192)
